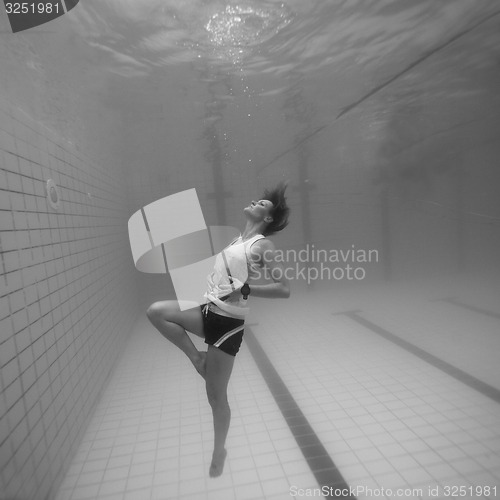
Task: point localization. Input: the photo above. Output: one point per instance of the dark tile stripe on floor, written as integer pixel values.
(455, 372)
(480, 310)
(314, 452)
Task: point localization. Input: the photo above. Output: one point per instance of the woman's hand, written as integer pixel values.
(226, 290)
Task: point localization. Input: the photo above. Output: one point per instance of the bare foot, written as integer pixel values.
(217, 465)
(200, 363)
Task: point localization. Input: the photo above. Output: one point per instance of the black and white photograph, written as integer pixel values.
(250, 249)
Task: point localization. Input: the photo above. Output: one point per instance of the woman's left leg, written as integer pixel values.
(218, 370)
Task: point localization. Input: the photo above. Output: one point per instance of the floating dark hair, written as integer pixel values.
(280, 210)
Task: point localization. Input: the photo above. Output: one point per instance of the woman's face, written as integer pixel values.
(259, 210)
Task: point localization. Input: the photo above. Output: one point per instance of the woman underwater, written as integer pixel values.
(221, 320)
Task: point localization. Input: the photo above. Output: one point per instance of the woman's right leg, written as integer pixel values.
(219, 368)
(172, 323)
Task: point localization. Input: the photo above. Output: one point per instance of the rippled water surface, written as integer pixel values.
(266, 35)
(260, 78)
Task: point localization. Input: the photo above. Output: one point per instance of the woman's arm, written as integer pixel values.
(263, 252)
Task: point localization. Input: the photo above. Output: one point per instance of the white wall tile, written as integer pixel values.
(47, 326)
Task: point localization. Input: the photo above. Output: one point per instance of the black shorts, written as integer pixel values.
(222, 332)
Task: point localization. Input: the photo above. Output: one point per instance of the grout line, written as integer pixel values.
(321, 464)
(460, 375)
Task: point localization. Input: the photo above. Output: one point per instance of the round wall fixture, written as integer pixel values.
(53, 195)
